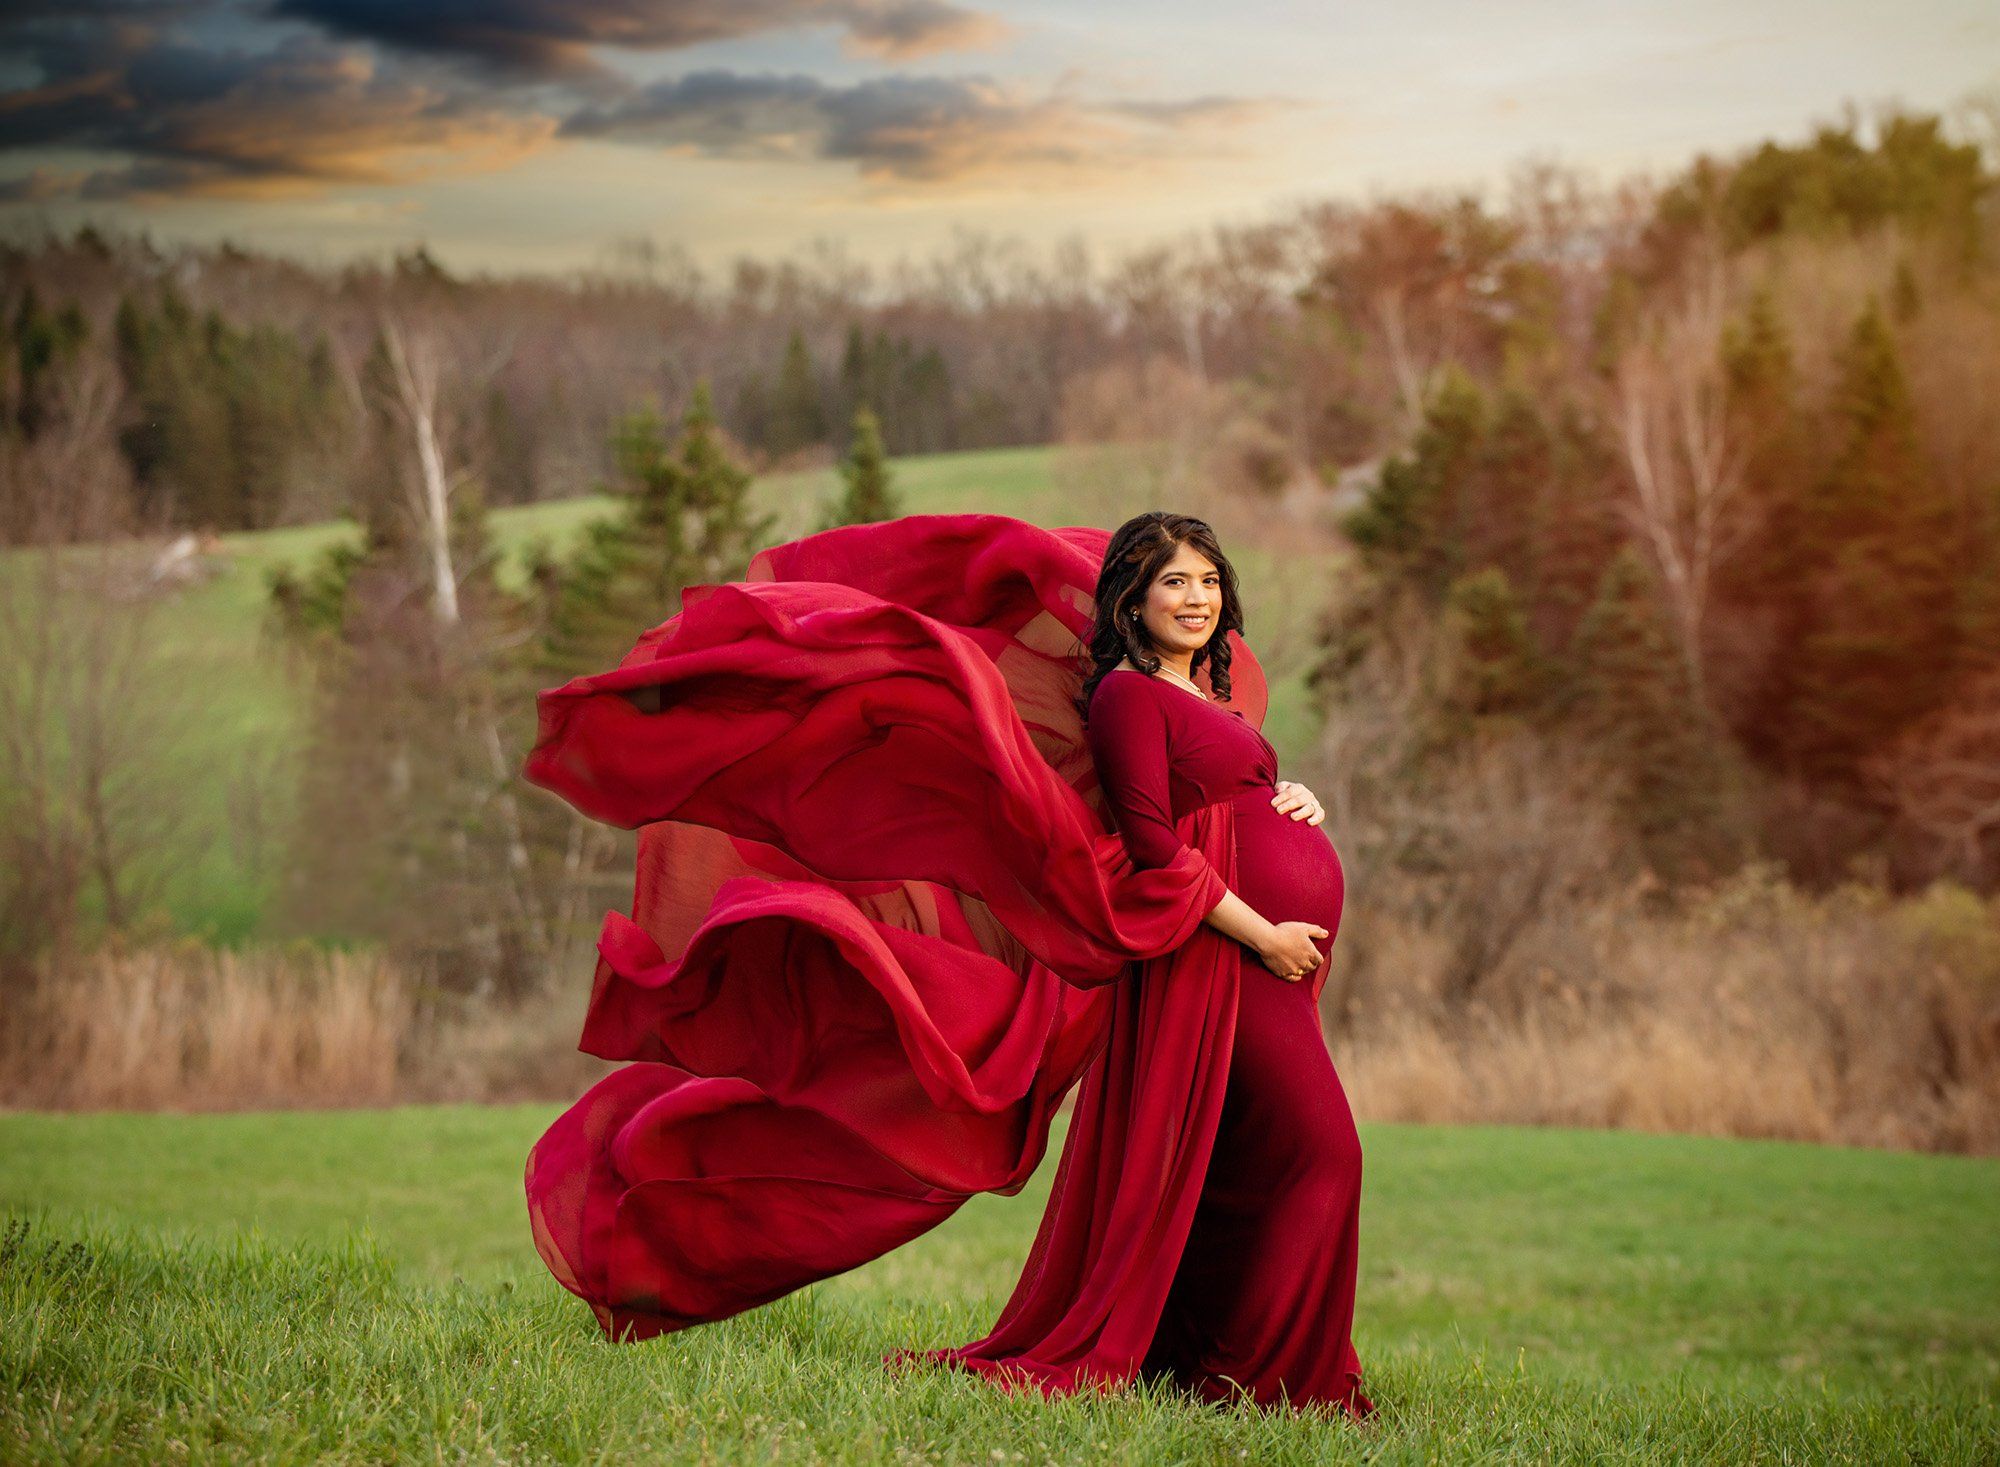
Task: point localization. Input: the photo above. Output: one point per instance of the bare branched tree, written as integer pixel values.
(1688, 506)
(436, 366)
(1943, 779)
(94, 737)
(68, 482)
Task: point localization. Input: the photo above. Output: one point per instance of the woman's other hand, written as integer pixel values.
(1294, 799)
(1289, 951)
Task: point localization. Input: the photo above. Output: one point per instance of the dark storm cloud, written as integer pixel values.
(908, 127)
(552, 38)
(38, 186)
(193, 119)
(468, 84)
(66, 41)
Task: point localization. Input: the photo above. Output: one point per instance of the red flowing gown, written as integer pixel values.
(1263, 1299)
(888, 914)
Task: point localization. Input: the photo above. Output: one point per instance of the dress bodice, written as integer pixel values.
(1161, 751)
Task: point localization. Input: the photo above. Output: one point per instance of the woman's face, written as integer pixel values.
(1183, 603)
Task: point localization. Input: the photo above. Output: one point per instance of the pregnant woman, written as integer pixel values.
(895, 901)
(1264, 1296)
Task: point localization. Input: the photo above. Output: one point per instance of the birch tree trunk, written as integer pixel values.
(1688, 505)
(415, 360)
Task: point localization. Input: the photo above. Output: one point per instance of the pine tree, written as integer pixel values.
(177, 442)
(1412, 525)
(267, 384)
(857, 387)
(1878, 639)
(798, 418)
(718, 491)
(43, 343)
(928, 423)
(868, 498)
(1574, 527)
(509, 437)
(1491, 665)
(1513, 472)
(1763, 582)
(685, 519)
(1632, 699)
(223, 414)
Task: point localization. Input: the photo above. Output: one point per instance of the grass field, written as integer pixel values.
(360, 1286)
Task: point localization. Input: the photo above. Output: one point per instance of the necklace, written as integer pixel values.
(1184, 682)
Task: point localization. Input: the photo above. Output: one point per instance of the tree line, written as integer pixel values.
(1690, 485)
(1710, 517)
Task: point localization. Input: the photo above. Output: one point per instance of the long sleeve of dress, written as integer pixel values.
(1128, 733)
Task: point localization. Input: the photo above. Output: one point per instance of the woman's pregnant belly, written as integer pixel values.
(1287, 869)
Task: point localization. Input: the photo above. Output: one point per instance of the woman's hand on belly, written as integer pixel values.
(1290, 952)
(1294, 799)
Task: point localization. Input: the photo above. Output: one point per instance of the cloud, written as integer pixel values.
(296, 118)
(912, 28)
(468, 85)
(553, 38)
(909, 128)
(1196, 112)
(39, 185)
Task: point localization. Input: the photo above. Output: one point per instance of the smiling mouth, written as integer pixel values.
(1195, 621)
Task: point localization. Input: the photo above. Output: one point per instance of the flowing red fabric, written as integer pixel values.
(881, 927)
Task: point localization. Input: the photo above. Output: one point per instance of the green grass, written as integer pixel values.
(360, 1285)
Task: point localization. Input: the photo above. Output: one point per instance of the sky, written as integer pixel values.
(536, 135)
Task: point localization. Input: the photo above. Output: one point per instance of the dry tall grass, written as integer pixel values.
(1755, 1010)
(184, 1027)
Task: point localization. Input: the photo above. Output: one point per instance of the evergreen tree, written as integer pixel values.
(1573, 527)
(1514, 468)
(798, 418)
(1412, 525)
(928, 423)
(1491, 665)
(1837, 184)
(1763, 581)
(685, 519)
(717, 491)
(1757, 366)
(901, 386)
(1632, 698)
(857, 385)
(177, 438)
(752, 411)
(267, 384)
(509, 437)
(1878, 639)
(868, 498)
(43, 343)
(221, 415)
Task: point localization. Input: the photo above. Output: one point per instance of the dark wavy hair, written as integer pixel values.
(1137, 552)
